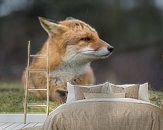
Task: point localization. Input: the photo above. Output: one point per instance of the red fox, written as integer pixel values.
(73, 45)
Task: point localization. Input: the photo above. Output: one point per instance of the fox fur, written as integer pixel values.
(73, 45)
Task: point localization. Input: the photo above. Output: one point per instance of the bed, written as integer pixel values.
(106, 107)
(105, 114)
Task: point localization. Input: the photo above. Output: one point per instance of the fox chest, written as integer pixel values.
(69, 73)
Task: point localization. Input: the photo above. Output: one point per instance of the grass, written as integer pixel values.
(12, 95)
(156, 97)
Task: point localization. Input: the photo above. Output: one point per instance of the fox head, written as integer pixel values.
(75, 41)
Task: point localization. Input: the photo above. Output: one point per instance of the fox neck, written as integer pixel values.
(67, 72)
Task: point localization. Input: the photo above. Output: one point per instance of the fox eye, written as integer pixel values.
(87, 39)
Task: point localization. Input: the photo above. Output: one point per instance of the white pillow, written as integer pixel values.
(71, 90)
(71, 94)
(143, 92)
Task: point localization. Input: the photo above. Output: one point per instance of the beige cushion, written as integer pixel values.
(79, 91)
(76, 92)
(142, 93)
(103, 95)
(131, 91)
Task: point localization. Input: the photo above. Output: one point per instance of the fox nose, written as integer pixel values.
(110, 48)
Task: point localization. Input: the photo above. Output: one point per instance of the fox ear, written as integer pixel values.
(52, 28)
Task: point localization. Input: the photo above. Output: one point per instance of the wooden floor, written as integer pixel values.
(15, 121)
(18, 126)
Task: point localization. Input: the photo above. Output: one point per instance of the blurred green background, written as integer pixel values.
(133, 27)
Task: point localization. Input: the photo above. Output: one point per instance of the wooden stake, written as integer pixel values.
(26, 84)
